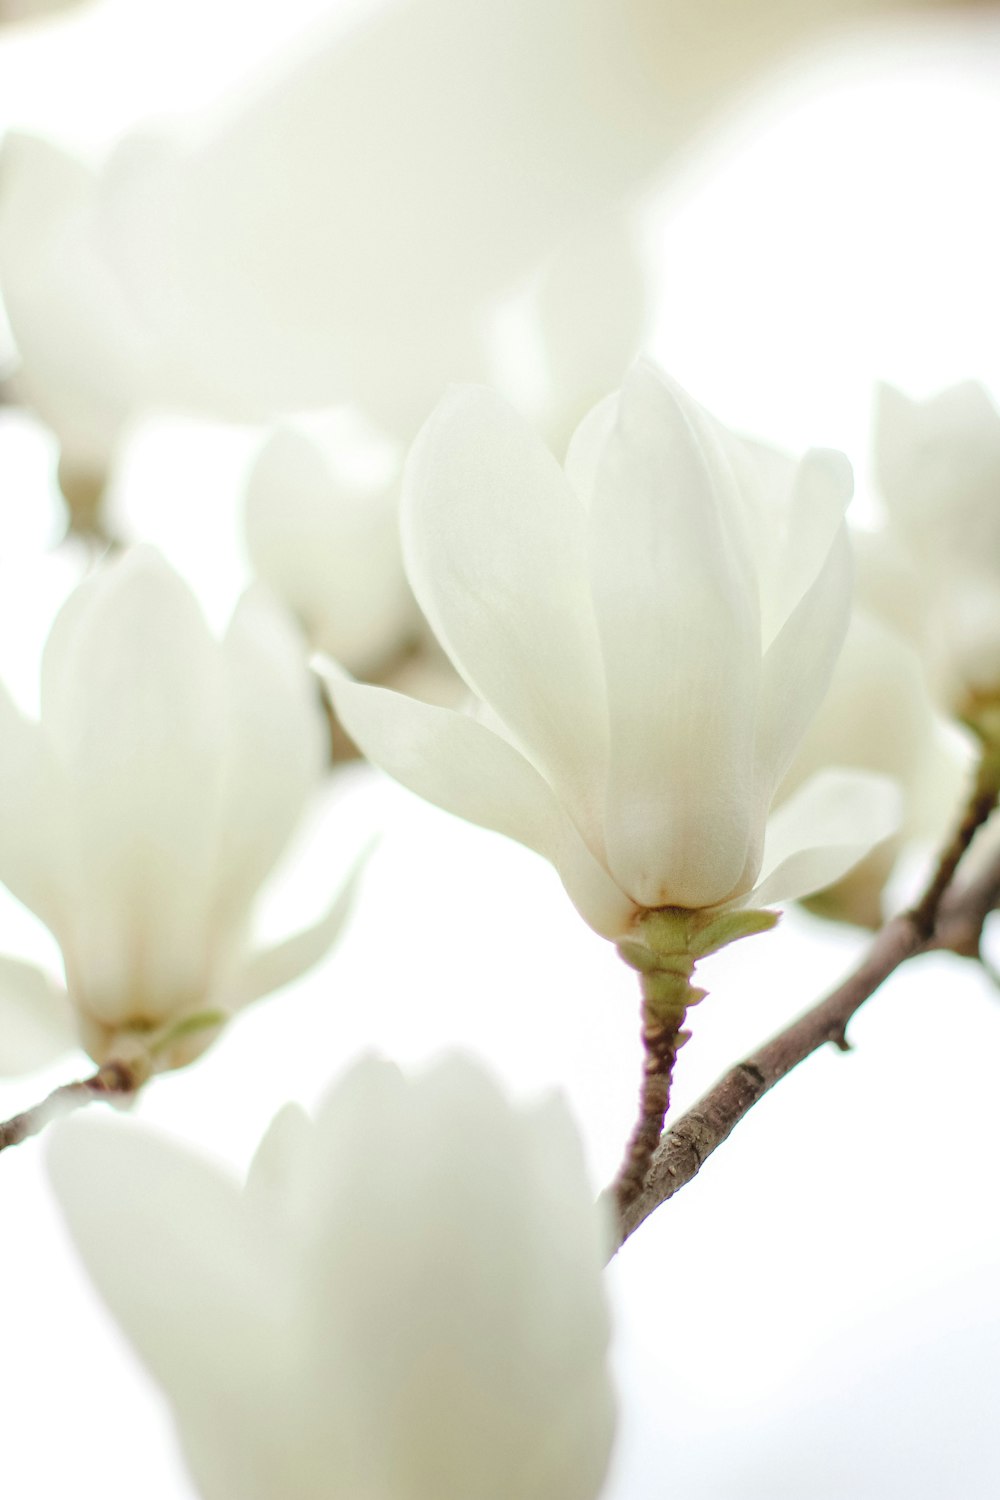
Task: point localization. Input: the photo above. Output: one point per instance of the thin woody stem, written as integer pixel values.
(945, 918)
(978, 809)
(113, 1082)
(661, 1044)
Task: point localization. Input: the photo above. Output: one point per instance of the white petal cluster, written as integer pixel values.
(425, 1323)
(938, 465)
(648, 633)
(142, 811)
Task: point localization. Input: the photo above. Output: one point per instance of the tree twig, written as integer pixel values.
(660, 1044)
(114, 1082)
(944, 918)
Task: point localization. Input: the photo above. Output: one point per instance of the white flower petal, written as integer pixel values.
(799, 665)
(31, 823)
(592, 308)
(325, 536)
(132, 1200)
(275, 1162)
(348, 1328)
(379, 192)
(462, 766)
(276, 746)
(938, 467)
(133, 713)
(468, 1358)
(36, 1019)
(821, 493)
(495, 550)
(84, 362)
(823, 830)
(272, 968)
(587, 445)
(675, 597)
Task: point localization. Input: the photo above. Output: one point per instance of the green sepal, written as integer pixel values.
(728, 927)
(205, 1020)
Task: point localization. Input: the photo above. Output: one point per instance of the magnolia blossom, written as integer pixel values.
(363, 1320)
(141, 813)
(85, 363)
(344, 226)
(938, 465)
(322, 498)
(647, 635)
(878, 716)
(322, 529)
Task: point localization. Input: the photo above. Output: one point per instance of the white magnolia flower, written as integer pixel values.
(938, 465)
(85, 363)
(141, 813)
(322, 530)
(878, 716)
(343, 226)
(405, 1303)
(649, 634)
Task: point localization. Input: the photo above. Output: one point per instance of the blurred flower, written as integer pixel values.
(878, 716)
(322, 529)
(141, 813)
(567, 338)
(85, 363)
(938, 465)
(344, 227)
(648, 635)
(418, 1321)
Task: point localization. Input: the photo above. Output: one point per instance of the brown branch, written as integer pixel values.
(944, 918)
(690, 1141)
(113, 1082)
(981, 803)
(661, 1044)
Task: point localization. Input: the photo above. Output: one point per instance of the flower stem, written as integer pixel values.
(662, 1039)
(665, 945)
(114, 1081)
(978, 809)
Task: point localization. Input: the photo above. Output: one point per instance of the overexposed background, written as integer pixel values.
(818, 1316)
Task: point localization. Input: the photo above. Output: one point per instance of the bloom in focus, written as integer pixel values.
(142, 811)
(938, 465)
(646, 635)
(362, 1320)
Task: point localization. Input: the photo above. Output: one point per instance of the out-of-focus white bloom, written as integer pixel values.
(405, 1303)
(878, 716)
(141, 813)
(85, 363)
(938, 464)
(577, 324)
(322, 499)
(322, 529)
(648, 633)
(343, 227)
